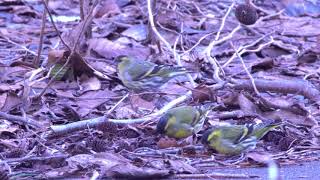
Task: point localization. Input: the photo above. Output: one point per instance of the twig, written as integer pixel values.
(72, 52)
(81, 10)
(19, 119)
(117, 104)
(301, 87)
(54, 25)
(153, 26)
(246, 69)
(19, 45)
(43, 27)
(268, 17)
(244, 49)
(205, 162)
(208, 50)
(95, 122)
(177, 57)
(33, 158)
(260, 9)
(85, 23)
(224, 21)
(197, 43)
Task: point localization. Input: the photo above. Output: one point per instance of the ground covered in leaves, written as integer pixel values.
(65, 114)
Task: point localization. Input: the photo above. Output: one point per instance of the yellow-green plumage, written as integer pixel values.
(143, 75)
(183, 121)
(235, 139)
(56, 68)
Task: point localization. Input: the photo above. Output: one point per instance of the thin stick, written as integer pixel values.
(81, 10)
(19, 119)
(95, 122)
(153, 26)
(19, 45)
(224, 21)
(197, 43)
(247, 71)
(208, 50)
(54, 25)
(241, 50)
(301, 87)
(43, 27)
(117, 104)
(177, 57)
(71, 54)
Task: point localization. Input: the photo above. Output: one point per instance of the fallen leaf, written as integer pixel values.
(182, 167)
(89, 84)
(109, 49)
(259, 157)
(166, 143)
(92, 99)
(285, 115)
(137, 32)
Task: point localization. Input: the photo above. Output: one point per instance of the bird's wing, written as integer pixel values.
(167, 71)
(185, 114)
(140, 69)
(235, 133)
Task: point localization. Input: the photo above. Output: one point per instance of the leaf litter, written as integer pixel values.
(81, 122)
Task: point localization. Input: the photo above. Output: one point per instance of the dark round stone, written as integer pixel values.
(246, 14)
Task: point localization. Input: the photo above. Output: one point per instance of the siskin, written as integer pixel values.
(138, 74)
(235, 139)
(183, 121)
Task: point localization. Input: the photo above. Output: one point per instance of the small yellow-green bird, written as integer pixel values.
(235, 139)
(138, 74)
(183, 121)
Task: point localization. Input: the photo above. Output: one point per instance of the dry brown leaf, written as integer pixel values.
(247, 105)
(3, 98)
(285, 115)
(55, 56)
(89, 84)
(129, 171)
(137, 32)
(179, 166)
(92, 99)
(125, 112)
(11, 101)
(109, 49)
(166, 143)
(108, 8)
(141, 104)
(203, 93)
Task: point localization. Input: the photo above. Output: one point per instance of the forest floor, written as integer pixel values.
(64, 113)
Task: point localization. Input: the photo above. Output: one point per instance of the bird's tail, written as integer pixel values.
(171, 71)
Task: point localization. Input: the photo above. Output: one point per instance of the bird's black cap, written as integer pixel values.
(205, 135)
(162, 123)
